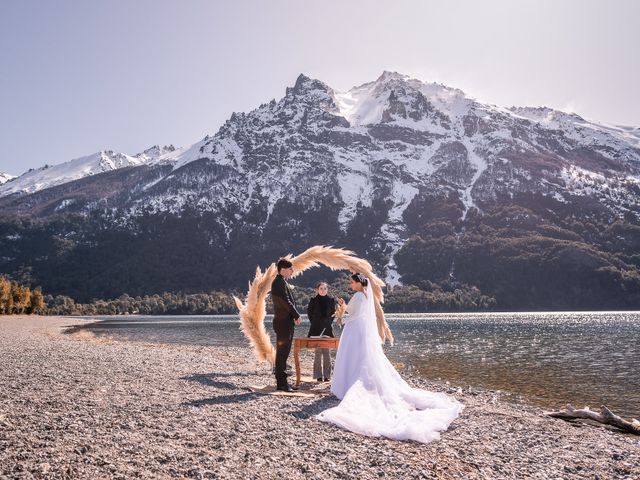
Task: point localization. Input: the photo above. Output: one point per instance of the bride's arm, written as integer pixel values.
(353, 307)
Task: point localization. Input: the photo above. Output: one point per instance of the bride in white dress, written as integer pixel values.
(376, 401)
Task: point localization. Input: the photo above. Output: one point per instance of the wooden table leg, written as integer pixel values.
(296, 358)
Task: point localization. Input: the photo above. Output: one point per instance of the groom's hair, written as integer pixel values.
(283, 263)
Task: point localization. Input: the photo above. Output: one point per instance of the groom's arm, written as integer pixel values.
(279, 295)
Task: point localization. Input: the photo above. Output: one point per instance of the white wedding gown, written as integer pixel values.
(376, 401)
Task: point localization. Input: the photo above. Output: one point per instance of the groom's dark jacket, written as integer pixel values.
(284, 305)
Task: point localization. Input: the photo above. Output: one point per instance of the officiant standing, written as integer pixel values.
(321, 311)
(285, 317)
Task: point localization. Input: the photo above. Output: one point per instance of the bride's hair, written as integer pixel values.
(356, 277)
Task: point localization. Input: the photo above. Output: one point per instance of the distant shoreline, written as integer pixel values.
(476, 312)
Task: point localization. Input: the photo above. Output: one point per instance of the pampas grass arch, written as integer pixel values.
(252, 312)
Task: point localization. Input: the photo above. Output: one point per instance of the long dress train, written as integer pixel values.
(376, 401)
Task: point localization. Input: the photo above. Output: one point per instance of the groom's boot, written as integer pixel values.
(287, 388)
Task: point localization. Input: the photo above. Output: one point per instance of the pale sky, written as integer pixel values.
(80, 76)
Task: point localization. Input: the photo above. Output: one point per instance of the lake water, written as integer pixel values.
(548, 359)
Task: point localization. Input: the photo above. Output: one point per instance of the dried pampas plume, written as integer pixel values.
(253, 310)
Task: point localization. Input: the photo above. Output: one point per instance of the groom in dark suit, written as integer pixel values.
(285, 316)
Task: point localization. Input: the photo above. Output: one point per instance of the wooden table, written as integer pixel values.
(310, 342)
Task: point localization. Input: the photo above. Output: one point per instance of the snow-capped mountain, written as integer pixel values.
(372, 168)
(388, 140)
(5, 177)
(428, 134)
(103, 161)
(387, 143)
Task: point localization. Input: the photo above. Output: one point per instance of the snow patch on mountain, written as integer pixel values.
(612, 191)
(581, 181)
(394, 230)
(362, 105)
(5, 177)
(356, 190)
(480, 165)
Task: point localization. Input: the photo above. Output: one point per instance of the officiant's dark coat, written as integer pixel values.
(321, 311)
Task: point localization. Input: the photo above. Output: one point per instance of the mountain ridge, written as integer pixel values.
(48, 176)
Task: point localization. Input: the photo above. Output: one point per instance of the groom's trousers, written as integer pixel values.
(284, 337)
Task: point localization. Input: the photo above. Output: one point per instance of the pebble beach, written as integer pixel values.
(73, 405)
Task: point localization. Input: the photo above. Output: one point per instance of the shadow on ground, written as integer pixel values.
(223, 400)
(314, 407)
(210, 380)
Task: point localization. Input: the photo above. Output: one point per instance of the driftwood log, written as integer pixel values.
(605, 416)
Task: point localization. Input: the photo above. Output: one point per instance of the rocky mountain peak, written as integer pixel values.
(431, 90)
(305, 84)
(395, 98)
(110, 160)
(157, 150)
(387, 76)
(309, 93)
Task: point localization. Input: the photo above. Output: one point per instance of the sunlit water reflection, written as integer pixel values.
(548, 359)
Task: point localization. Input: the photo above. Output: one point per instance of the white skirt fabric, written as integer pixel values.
(376, 401)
